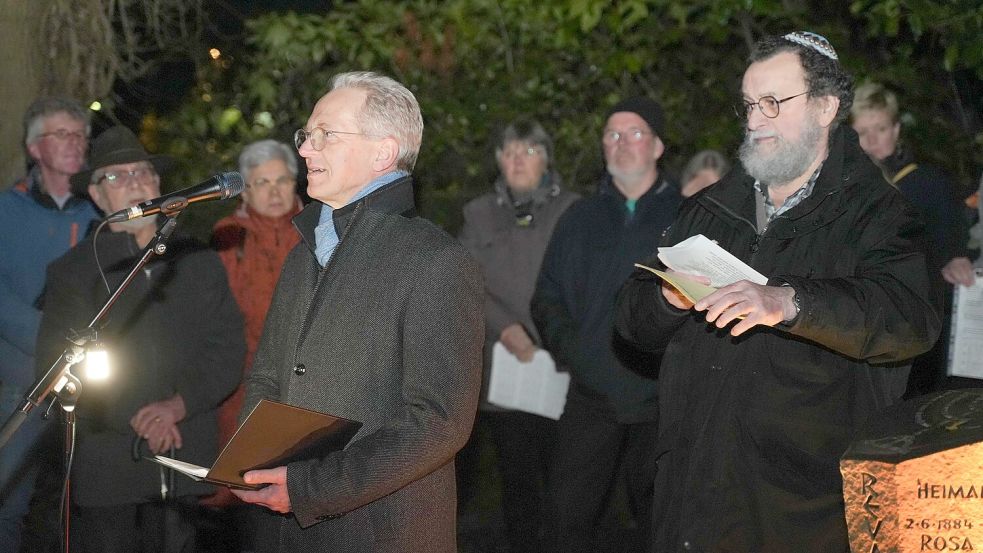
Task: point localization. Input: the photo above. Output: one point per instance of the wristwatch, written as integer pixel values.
(797, 302)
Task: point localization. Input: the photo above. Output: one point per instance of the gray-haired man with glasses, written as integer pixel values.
(40, 219)
(377, 317)
(764, 386)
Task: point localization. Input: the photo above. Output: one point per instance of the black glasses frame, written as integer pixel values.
(743, 108)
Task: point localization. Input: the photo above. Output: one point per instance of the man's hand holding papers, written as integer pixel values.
(705, 277)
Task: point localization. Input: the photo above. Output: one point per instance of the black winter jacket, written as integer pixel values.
(592, 251)
(752, 427)
(176, 329)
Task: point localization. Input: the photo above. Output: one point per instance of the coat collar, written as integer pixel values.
(395, 198)
(846, 166)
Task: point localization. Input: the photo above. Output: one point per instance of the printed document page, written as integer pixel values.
(534, 387)
(966, 337)
(693, 291)
(698, 255)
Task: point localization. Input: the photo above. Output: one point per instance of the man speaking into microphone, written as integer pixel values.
(175, 341)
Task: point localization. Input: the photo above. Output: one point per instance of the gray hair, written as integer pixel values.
(824, 76)
(873, 96)
(526, 130)
(261, 151)
(705, 159)
(46, 107)
(390, 110)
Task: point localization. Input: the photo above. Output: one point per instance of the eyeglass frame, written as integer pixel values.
(283, 181)
(746, 106)
(131, 177)
(62, 134)
(523, 153)
(308, 136)
(619, 135)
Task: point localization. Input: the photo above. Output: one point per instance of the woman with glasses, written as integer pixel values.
(507, 231)
(253, 243)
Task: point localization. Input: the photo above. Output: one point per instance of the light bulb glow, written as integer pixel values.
(96, 365)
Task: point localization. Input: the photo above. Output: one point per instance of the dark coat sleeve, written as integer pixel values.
(214, 369)
(643, 317)
(65, 308)
(550, 311)
(886, 311)
(476, 237)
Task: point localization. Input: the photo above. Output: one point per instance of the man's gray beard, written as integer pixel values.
(789, 161)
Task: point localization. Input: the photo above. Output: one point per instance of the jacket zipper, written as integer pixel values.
(754, 229)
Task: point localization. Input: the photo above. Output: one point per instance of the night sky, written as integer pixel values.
(165, 87)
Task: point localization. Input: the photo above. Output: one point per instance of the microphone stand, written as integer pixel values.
(59, 379)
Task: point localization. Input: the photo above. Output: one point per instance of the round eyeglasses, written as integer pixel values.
(521, 153)
(281, 182)
(769, 106)
(63, 135)
(119, 179)
(317, 136)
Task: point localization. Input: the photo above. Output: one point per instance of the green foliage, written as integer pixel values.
(476, 64)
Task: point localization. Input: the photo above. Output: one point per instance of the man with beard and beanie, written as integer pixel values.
(377, 318)
(175, 342)
(609, 420)
(763, 386)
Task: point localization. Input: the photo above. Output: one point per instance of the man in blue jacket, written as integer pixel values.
(611, 411)
(40, 219)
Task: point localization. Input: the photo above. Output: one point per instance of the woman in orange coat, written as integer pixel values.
(253, 243)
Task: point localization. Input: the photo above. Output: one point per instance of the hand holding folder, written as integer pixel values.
(273, 435)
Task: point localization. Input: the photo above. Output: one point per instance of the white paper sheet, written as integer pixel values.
(698, 255)
(535, 387)
(966, 337)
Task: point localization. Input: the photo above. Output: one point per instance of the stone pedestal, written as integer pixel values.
(913, 481)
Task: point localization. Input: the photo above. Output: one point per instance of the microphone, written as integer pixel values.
(220, 187)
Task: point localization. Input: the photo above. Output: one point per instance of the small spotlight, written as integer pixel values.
(96, 105)
(215, 53)
(96, 365)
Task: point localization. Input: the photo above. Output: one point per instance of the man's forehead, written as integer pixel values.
(62, 119)
(627, 119)
(340, 105)
(126, 166)
(779, 74)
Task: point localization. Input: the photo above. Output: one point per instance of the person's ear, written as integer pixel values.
(828, 108)
(34, 149)
(659, 147)
(96, 193)
(385, 155)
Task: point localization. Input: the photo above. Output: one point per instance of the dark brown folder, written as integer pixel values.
(274, 434)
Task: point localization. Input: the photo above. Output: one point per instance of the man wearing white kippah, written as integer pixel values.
(763, 386)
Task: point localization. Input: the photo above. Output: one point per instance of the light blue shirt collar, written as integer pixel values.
(325, 236)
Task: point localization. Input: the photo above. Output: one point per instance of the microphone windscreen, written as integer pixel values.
(232, 184)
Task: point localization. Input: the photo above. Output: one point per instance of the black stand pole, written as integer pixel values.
(66, 386)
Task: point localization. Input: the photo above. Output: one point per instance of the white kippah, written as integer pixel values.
(814, 41)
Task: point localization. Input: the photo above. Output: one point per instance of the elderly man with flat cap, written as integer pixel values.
(611, 410)
(176, 343)
(764, 386)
